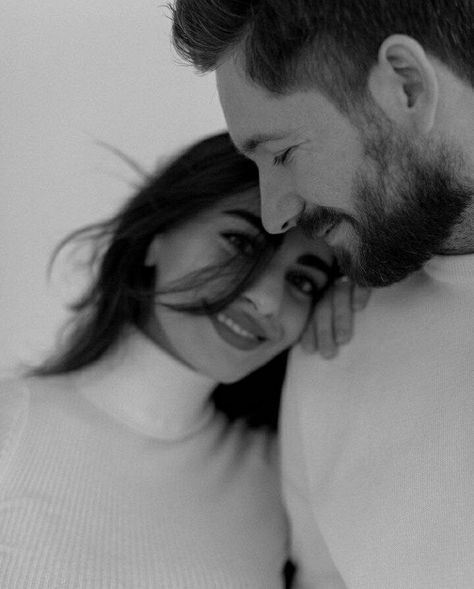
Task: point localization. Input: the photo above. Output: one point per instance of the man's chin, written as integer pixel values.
(345, 246)
(373, 274)
(361, 273)
(356, 262)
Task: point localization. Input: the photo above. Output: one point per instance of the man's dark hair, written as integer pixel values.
(330, 44)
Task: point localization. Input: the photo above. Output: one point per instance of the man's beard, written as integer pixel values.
(404, 217)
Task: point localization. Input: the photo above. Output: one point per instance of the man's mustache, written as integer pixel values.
(319, 221)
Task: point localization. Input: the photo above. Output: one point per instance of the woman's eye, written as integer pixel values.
(303, 284)
(282, 158)
(242, 244)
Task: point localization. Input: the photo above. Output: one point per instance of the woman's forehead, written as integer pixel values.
(245, 204)
(248, 200)
(297, 240)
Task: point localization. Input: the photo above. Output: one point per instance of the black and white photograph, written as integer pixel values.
(237, 294)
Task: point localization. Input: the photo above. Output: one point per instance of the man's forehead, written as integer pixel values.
(239, 97)
(229, 72)
(246, 110)
(254, 116)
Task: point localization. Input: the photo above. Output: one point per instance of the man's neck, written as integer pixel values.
(455, 124)
(461, 240)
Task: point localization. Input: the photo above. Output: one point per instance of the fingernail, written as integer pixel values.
(307, 347)
(328, 354)
(342, 337)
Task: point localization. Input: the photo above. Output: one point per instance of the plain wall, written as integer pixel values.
(74, 74)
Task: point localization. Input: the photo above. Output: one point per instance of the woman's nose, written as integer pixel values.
(266, 293)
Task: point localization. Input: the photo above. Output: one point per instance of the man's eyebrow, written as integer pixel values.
(254, 220)
(317, 263)
(249, 146)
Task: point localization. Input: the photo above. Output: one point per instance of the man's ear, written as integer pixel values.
(404, 84)
(152, 253)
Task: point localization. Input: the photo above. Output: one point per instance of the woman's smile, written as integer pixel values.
(239, 329)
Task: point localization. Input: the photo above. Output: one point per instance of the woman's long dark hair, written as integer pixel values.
(122, 287)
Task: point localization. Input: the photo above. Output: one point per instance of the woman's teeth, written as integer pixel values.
(235, 327)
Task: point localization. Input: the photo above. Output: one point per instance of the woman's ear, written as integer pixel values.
(404, 84)
(152, 253)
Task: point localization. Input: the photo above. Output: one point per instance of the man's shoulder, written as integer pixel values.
(14, 395)
(14, 400)
(412, 293)
(414, 332)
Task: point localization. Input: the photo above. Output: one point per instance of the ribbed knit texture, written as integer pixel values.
(378, 444)
(95, 495)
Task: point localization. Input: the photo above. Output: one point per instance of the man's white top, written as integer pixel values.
(378, 444)
(120, 476)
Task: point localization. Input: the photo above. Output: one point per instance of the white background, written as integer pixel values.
(73, 74)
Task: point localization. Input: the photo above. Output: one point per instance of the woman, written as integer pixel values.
(122, 463)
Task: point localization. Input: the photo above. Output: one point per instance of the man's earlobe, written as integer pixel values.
(404, 84)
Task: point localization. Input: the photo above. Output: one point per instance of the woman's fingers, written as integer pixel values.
(324, 326)
(332, 323)
(342, 310)
(308, 340)
(360, 297)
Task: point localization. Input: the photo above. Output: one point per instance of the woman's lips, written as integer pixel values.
(239, 329)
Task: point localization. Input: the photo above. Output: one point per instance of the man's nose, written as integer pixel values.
(281, 206)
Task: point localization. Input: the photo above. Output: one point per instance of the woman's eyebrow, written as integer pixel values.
(317, 263)
(251, 218)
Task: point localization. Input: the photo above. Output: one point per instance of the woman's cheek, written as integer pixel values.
(296, 318)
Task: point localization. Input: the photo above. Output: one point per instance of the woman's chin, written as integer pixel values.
(233, 378)
(224, 375)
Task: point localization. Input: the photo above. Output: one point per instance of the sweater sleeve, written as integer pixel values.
(308, 550)
(13, 410)
(313, 561)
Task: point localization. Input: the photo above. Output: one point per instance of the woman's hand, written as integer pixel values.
(332, 323)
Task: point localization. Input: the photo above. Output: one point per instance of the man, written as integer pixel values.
(360, 117)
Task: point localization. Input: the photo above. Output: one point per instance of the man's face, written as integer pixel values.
(385, 204)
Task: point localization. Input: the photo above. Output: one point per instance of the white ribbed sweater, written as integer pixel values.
(378, 444)
(119, 476)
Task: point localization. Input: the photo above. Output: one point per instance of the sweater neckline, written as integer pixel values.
(145, 389)
(452, 268)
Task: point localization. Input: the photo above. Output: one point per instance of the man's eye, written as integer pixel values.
(282, 158)
(303, 284)
(243, 244)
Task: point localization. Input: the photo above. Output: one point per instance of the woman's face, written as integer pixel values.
(264, 320)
